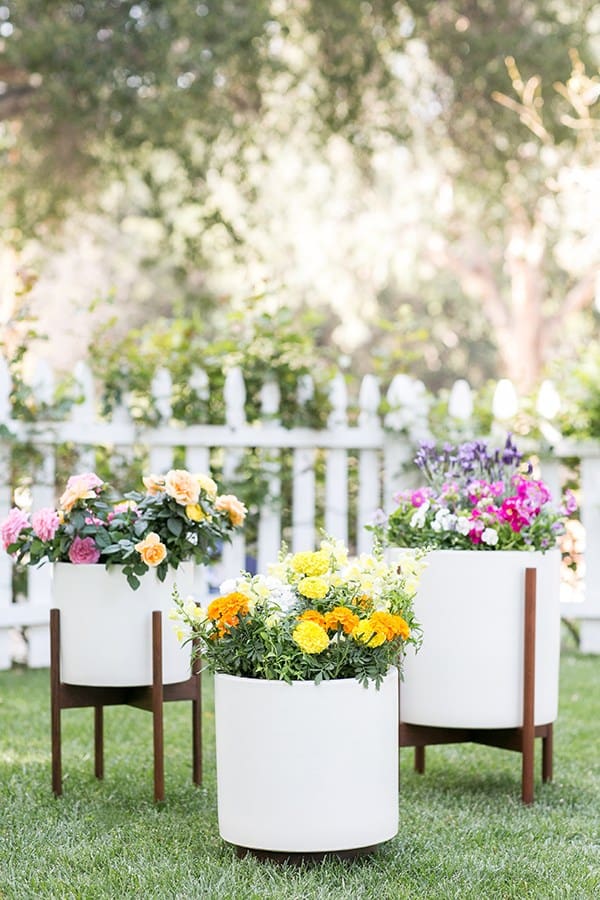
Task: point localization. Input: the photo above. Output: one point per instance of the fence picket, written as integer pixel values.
(336, 467)
(369, 481)
(234, 553)
(303, 482)
(269, 523)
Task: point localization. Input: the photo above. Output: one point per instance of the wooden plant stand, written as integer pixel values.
(521, 739)
(148, 697)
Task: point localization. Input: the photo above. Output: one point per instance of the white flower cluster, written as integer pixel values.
(444, 520)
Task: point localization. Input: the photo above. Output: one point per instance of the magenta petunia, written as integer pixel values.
(83, 551)
(45, 523)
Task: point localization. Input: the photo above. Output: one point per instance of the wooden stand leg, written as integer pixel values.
(528, 730)
(420, 760)
(547, 753)
(55, 702)
(197, 723)
(157, 707)
(520, 738)
(147, 697)
(99, 741)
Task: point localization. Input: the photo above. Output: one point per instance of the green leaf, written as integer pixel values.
(175, 526)
(133, 581)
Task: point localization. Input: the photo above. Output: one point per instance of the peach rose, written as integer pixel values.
(151, 549)
(229, 503)
(79, 487)
(182, 486)
(154, 484)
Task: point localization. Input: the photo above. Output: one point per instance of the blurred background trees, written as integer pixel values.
(424, 174)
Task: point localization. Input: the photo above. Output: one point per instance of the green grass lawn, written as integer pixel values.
(463, 831)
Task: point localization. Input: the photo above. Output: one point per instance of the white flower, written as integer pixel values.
(444, 520)
(463, 525)
(228, 586)
(490, 536)
(419, 516)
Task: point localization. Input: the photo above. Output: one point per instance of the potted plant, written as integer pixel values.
(115, 560)
(306, 663)
(483, 518)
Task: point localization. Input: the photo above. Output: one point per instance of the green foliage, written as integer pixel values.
(282, 346)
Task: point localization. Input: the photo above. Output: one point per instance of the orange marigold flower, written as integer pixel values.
(341, 615)
(225, 611)
(390, 625)
(312, 615)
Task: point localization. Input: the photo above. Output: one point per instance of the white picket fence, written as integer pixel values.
(382, 450)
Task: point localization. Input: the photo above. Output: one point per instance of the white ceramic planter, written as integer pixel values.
(306, 768)
(469, 670)
(106, 627)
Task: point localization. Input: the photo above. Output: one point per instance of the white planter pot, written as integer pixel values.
(306, 768)
(469, 670)
(106, 627)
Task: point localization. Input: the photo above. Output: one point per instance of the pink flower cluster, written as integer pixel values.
(13, 525)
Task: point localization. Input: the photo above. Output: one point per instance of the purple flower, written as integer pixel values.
(45, 523)
(13, 525)
(570, 503)
(379, 517)
(83, 551)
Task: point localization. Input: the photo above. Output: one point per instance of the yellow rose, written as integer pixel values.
(229, 503)
(310, 637)
(195, 512)
(207, 485)
(154, 484)
(152, 550)
(182, 486)
(313, 587)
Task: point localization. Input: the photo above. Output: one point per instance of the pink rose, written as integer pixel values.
(13, 525)
(44, 523)
(83, 551)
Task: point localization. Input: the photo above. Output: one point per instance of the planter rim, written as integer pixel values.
(301, 684)
(488, 552)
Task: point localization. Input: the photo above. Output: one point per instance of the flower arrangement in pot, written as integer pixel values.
(116, 559)
(483, 518)
(306, 662)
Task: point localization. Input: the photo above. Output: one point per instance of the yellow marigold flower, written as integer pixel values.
(152, 550)
(306, 563)
(229, 503)
(366, 634)
(310, 637)
(313, 587)
(182, 486)
(154, 484)
(341, 615)
(195, 512)
(207, 485)
(312, 615)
